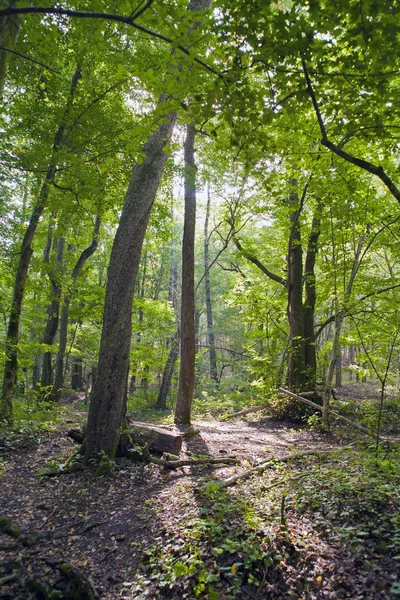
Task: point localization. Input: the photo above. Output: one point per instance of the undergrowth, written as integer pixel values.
(242, 541)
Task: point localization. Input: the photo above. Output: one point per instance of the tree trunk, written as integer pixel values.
(197, 317)
(338, 371)
(310, 300)
(168, 374)
(296, 363)
(210, 333)
(11, 364)
(106, 406)
(59, 368)
(53, 311)
(188, 355)
(9, 33)
(339, 318)
(174, 342)
(77, 371)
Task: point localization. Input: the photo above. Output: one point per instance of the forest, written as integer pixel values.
(199, 295)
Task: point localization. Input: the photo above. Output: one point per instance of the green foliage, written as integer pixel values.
(347, 497)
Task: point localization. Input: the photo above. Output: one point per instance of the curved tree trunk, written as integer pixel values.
(106, 407)
(187, 371)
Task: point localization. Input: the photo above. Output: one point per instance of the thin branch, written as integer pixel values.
(311, 72)
(234, 352)
(351, 134)
(358, 162)
(314, 100)
(255, 261)
(139, 12)
(36, 62)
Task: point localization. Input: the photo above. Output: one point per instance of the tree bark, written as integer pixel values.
(310, 300)
(296, 363)
(11, 364)
(10, 27)
(53, 311)
(210, 332)
(188, 355)
(106, 405)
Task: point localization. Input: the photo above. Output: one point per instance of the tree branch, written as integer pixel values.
(51, 10)
(140, 11)
(255, 261)
(36, 62)
(358, 162)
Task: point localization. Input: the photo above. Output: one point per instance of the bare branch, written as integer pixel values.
(33, 60)
(255, 261)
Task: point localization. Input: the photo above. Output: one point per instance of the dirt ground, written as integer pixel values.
(102, 525)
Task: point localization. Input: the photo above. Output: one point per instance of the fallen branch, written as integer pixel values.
(332, 412)
(260, 468)
(175, 464)
(247, 411)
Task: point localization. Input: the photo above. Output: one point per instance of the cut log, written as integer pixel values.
(77, 435)
(158, 439)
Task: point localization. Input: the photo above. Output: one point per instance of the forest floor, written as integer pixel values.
(329, 529)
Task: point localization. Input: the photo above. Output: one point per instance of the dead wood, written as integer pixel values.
(260, 468)
(247, 411)
(77, 435)
(158, 439)
(175, 464)
(332, 412)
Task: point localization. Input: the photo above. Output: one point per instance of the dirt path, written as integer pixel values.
(102, 525)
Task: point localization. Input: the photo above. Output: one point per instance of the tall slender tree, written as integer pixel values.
(188, 355)
(207, 286)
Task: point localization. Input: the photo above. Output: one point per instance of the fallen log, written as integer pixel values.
(77, 435)
(332, 412)
(260, 468)
(158, 439)
(175, 464)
